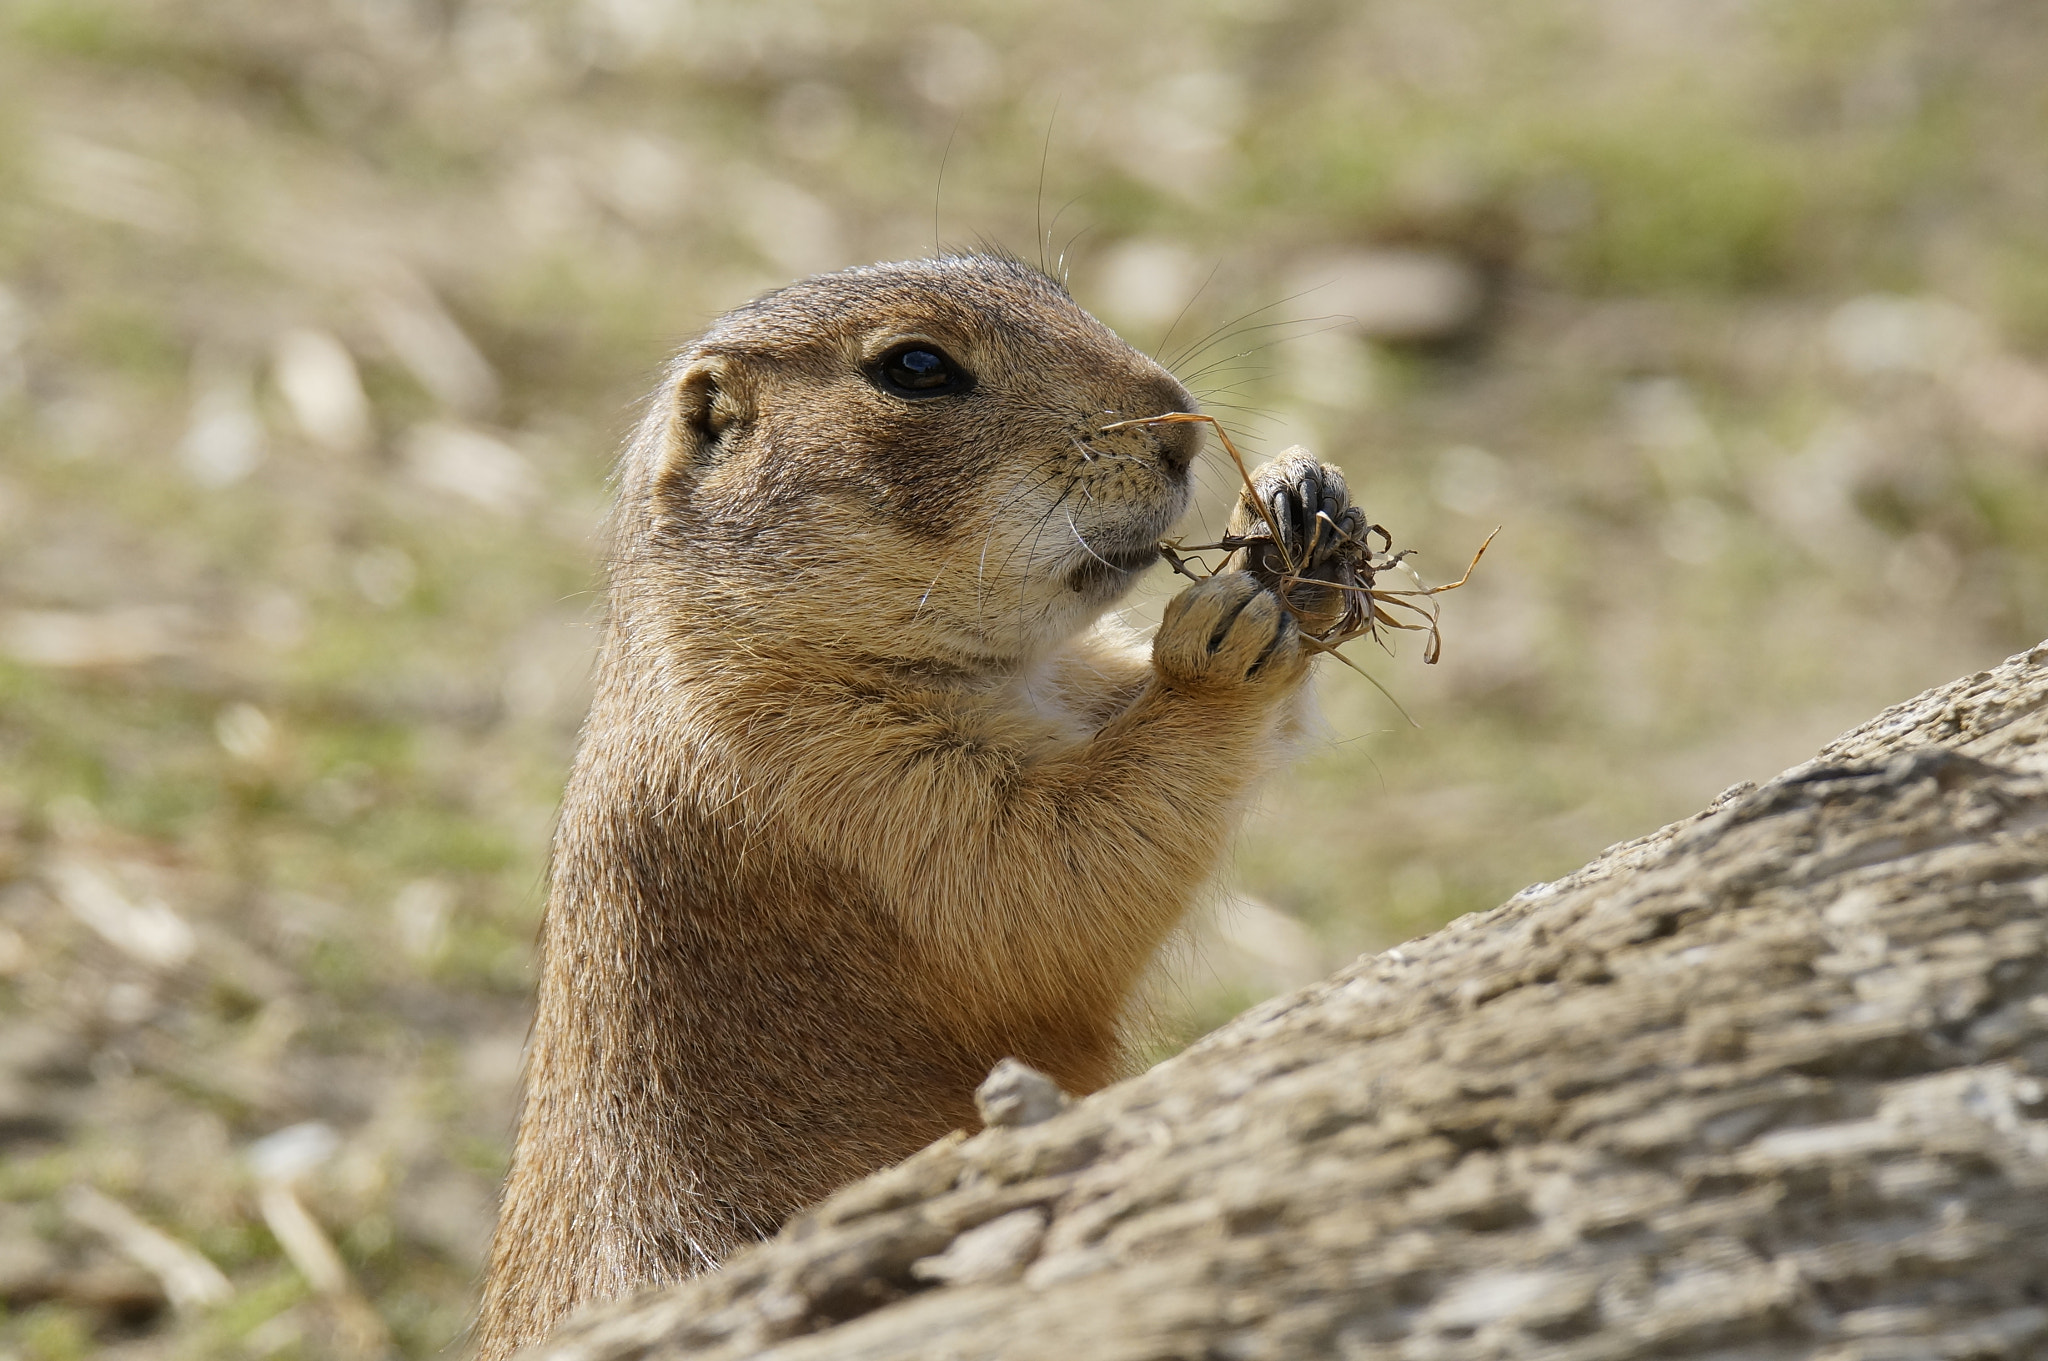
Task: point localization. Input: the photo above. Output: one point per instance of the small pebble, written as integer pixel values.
(1015, 1094)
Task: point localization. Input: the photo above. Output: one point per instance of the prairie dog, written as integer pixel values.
(868, 798)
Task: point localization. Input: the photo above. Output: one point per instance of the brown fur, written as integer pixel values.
(866, 800)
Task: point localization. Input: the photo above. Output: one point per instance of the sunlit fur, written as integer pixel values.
(866, 800)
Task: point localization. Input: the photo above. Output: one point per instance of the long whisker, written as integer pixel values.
(995, 523)
(1069, 246)
(1181, 315)
(1214, 365)
(1037, 533)
(1038, 202)
(926, 597)
(1196, 347)
(1053, 225)
(940, 187)
(1089, 551)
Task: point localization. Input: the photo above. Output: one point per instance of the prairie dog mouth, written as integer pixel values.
(1105, 568)
(1107, 557)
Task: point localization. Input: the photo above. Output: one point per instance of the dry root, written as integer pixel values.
(1353, 568)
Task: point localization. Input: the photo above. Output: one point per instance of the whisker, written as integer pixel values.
(926, 597)
(1089, 551)
(1217, 363)
(1231, 327)
(1031, 556)
(1069, 246)
(1335, 324)
(995, 523)
(1053, 225)
(940, 187)
(1038, 202)
(1181, 315)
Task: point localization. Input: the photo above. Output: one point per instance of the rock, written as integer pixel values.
(998, 1250)
(1015, 1094)
(1766, 1083)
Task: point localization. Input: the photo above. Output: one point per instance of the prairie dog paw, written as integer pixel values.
(1229, 630)
(1309, 506)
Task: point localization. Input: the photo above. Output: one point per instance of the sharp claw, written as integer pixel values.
(1334, 534)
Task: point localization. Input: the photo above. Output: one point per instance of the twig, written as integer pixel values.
(190, 1280)
(1355, 564)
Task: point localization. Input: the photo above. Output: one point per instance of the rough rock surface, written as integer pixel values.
(1768, 1083)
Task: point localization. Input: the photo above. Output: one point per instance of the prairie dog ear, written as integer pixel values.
(705, 403)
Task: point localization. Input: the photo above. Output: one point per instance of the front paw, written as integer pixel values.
(1308, 522)
(1230, 630)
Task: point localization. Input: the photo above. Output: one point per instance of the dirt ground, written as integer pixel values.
(319, 320)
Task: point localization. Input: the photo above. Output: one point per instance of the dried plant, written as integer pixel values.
(1352, 568)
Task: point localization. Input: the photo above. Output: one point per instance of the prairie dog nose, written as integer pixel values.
(1178, 442)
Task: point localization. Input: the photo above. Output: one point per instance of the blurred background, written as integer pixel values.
(320, 320)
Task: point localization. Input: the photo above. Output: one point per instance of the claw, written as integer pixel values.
(1277, 503)
(1321, 500)
(1301, 522)
(1309, 555)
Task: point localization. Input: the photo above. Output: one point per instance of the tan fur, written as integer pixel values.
(866, 800)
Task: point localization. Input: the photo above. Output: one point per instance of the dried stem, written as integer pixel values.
(1355, 566)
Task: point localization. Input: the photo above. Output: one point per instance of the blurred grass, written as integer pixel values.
(1754, 377)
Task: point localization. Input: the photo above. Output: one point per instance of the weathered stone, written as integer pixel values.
(1015, 1094)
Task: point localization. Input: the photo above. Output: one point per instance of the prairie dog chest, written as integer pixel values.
(1048, 713)
(1066, 698)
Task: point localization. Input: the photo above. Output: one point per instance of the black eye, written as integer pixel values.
(919, 369)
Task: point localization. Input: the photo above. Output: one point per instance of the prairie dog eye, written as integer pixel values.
(918, 369)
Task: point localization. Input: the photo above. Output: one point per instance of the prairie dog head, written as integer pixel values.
(907, 461)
